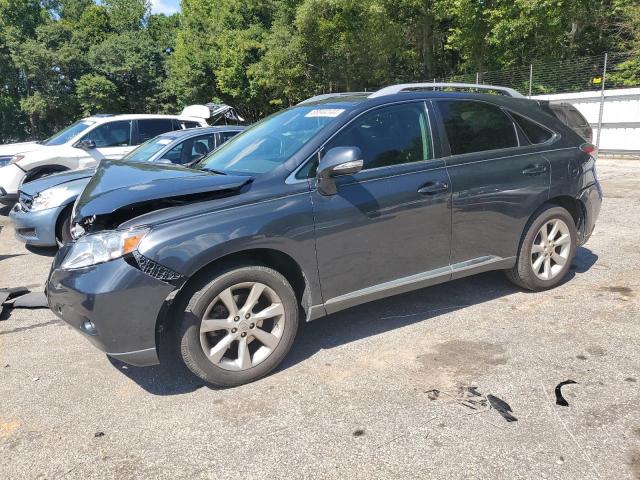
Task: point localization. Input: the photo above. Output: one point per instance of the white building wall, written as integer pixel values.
(620, 119)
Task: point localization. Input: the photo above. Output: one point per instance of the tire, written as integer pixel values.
(533, 252)
(63, 229)
(40, 174)
(211, 297)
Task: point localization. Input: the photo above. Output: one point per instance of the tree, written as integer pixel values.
(97, 94)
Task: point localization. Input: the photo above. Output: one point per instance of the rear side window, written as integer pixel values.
(224, 136)
(388, 136)
(111, 134)
(191, 149)
(534, 132)
(147, 129)
(476, 126)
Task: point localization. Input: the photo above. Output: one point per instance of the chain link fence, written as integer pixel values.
(604, 88)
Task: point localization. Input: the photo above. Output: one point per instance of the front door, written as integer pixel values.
(112, 139)
(388, 228)
(499, 178)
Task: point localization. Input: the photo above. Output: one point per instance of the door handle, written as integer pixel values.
(432, 188)
(535, 170)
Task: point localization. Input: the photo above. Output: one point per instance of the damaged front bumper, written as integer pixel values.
(35, 227)
(115, 305)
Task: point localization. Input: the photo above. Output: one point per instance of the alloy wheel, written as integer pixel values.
(242, 326)
(551, 248)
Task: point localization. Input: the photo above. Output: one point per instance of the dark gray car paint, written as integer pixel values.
(376, 237)
(117, 184)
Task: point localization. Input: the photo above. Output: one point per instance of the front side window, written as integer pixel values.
(388, 136)
(63, 136)
(272, 141)
(476, 126)
(151, 128)
(112, 134)
(147, 150)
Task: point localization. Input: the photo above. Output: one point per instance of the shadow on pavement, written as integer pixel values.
(42, 251)
(172, 377)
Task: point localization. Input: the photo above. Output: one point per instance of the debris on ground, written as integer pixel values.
(31, 300)
(502, 407)
(21, 297)
(471, 398)
(560, 400)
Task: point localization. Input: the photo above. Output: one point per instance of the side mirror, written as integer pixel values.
(337, 162)
(86, 144)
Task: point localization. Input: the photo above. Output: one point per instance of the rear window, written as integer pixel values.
(476, 126)
(534, 132)
(569, 115)
(576, 118)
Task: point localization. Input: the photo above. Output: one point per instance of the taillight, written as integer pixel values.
(588, 148)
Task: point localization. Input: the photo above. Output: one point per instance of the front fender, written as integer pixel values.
(284, 224)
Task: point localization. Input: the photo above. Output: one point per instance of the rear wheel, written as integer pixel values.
(238, 326)
(547, 250)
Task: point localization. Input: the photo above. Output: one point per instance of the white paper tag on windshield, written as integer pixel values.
(164, 141)
(325, 112)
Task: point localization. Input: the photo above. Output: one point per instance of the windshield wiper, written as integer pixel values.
(218, 172)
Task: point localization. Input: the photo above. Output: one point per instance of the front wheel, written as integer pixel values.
(238, 326)
(547, 249)
(63, 228)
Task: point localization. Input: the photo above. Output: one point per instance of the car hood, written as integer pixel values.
(142, 187)
(15, 148)
(31, 188)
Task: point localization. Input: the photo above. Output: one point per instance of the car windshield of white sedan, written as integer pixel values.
(147, 150)
(63, 136)
(271, 142)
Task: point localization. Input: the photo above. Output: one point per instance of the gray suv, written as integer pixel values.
(340, 200)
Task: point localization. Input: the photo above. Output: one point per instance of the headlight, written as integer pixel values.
(16, 158)
(102, 247)
(49, 198)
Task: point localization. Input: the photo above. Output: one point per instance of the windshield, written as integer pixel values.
(269, 143)
(63, 136)
(147, 150)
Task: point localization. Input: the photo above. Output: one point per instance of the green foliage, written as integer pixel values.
(97, 94)
(62, 59)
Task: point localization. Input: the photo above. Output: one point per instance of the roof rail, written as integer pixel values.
(324, 96)
(510, 92)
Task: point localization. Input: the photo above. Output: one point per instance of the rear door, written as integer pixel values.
(387, 229)
(152, 127)
(498, 179)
